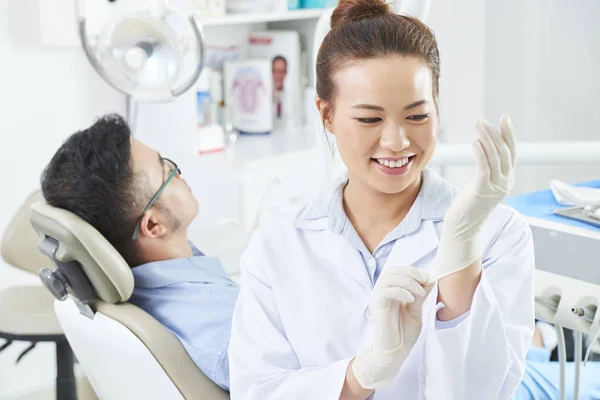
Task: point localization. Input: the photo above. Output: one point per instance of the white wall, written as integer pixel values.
(459, 27)
(45, 95)
(533, 59)
(542, 67)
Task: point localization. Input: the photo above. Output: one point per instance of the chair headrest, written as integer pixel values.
(107, 272)
(19, 241)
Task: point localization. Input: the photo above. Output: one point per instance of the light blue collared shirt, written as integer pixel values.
(194, 298)
(542, 377)
(432, 202)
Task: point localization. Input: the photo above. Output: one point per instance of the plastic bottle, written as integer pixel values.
(203, 98)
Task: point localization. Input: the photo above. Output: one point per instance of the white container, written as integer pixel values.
(203, 98)
(209, 136)
(216, 7)
(248, 6)
(200, 8)
(210, 139)
(249, 95)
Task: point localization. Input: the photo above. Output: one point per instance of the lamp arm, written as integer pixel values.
(197, 28)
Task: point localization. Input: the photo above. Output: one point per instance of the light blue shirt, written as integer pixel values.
(542, 377)
(432, 201)
(194, 298)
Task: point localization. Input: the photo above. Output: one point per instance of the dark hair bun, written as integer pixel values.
(353, 10)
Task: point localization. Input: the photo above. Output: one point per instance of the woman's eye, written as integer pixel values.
(420, 117)
(368, 120)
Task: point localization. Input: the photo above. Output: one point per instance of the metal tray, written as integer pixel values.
(578, 214)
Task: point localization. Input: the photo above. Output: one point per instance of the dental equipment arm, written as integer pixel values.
(578, 350)
(562, 358)
(458, 262)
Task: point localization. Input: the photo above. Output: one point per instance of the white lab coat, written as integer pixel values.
(301, 315)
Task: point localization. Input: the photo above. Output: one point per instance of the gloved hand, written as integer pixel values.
(395, 328)
(495, 160)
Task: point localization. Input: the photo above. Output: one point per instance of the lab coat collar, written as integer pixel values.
(417, 230)
(327, 212)
(405, 252)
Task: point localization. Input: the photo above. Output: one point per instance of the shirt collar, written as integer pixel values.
(327, 211)
(198, 268)
(195, 251)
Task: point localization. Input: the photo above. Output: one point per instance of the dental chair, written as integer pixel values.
(26, 312)
(124, 352)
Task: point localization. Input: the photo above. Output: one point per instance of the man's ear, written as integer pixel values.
(325, 112)
(151, 226)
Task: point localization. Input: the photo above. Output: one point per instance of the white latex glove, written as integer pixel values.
(495, 160)
(395, 328)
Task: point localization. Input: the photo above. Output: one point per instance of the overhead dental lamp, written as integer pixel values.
(151, 52)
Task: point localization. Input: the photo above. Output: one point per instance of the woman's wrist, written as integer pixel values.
(352, 390)
(456, 291)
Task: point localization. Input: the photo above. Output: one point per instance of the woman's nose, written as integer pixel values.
(394, 138)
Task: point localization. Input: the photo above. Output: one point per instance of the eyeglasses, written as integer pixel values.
(174, 171)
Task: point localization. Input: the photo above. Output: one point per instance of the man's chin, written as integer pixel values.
(196, 210)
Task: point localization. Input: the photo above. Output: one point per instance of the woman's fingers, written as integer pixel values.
(398, 294)
(407, 283)
(501, 147)
(490, 150)
(409, 271)
(507, 131)
(481, 162)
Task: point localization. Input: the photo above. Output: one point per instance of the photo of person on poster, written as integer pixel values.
(280, 69)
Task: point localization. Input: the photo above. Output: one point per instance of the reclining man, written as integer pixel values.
(140, 203)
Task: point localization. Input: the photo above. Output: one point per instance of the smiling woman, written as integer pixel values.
(385, 122)
(339, 302)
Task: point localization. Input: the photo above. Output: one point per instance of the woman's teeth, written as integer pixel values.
(393, 164)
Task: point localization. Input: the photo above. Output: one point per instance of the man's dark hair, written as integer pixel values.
(282, 58)
(91, 175)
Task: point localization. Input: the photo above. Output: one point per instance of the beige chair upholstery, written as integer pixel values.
(19, 241)
(107, 271)
(26, 310)
(112, 281)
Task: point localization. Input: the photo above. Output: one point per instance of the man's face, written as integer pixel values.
(279, 73)
(176, 206)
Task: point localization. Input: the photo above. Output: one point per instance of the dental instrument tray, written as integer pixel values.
(583, 214)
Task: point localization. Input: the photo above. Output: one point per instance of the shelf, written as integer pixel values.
(235, 19)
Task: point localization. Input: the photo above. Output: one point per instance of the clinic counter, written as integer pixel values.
(256, 148)
(563, 246)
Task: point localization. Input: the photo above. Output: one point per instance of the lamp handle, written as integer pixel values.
(197, 28)
(88, 53)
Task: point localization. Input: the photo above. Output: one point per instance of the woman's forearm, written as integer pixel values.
(456, 291)
(352, 389)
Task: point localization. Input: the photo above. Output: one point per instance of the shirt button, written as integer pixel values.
(372, 262)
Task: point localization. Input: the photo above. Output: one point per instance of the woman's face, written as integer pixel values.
(385, 121)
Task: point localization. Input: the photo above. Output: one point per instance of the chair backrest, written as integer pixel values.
(124, 351)
(19, 241)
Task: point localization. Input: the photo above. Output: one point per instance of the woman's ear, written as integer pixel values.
(325, 112)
